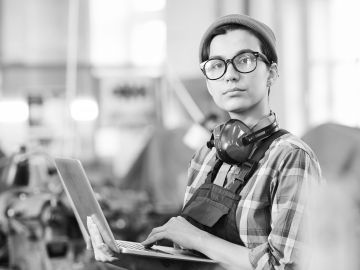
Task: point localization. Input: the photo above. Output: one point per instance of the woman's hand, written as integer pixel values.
(178, 230)
(102, 252)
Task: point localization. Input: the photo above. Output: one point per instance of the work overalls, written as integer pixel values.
(212, 208)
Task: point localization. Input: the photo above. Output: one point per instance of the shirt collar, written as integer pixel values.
(264, 121)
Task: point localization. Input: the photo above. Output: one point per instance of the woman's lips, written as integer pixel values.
(234, 90)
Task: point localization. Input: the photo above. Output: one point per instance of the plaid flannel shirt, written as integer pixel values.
(271, 212)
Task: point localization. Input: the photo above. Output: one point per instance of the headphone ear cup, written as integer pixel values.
(229, 142)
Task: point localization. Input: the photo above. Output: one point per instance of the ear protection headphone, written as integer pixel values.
(234, 140)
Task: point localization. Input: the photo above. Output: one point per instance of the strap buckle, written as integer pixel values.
(247, 169)
(249, 166)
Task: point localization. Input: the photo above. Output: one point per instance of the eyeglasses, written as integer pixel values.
(244, 62)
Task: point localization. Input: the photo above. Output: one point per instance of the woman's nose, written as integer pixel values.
(231, 73)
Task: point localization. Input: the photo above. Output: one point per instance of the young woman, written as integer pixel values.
(245, 202)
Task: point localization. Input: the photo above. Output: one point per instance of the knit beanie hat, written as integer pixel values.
(261, 30)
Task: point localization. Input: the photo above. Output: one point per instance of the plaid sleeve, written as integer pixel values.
(200, 164)
(296, 174)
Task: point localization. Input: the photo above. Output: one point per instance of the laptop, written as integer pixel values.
(83, 202)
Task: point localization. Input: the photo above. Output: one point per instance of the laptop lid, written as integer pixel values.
(82, 198)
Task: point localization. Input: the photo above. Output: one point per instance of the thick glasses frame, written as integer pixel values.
(228, 61)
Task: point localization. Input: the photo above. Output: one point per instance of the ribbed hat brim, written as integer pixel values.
(260, 28)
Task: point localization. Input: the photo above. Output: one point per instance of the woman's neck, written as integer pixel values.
(250, 118)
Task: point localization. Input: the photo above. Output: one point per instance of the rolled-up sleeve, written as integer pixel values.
(299, 172)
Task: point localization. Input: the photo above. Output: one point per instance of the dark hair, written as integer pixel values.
(221, 30)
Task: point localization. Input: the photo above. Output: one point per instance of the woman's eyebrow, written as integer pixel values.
(238, 52)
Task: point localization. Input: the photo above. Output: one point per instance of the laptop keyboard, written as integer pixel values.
(138, 246)
(129, 245)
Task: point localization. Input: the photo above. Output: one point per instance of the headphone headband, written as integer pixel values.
(261, 133)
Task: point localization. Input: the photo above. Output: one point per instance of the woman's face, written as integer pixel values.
(240, 94)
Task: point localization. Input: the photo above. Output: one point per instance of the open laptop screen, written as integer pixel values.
(82, 198)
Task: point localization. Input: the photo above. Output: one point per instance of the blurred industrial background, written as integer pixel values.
(116, 84)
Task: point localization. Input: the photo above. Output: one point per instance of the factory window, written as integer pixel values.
(126, 33)
(334, 61)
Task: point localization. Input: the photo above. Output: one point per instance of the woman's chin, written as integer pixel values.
(235, 107)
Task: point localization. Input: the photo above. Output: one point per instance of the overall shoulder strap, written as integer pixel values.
(248, 167)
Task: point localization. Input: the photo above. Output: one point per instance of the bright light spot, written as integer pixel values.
(107, 141)
(148, 43)
(149, 5)
(13, 110)
(84, 109)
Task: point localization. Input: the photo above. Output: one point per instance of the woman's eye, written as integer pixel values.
(216, 65)
(244, 60)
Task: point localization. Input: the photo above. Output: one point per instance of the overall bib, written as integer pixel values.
(212, 208)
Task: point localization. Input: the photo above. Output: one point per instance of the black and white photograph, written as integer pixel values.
(179, 135)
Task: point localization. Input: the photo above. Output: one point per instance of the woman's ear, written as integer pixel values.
(273, 74)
